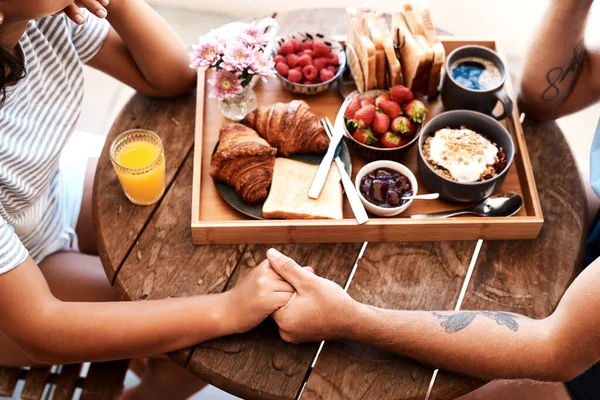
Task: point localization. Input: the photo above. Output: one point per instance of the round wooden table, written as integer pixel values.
(147, 253)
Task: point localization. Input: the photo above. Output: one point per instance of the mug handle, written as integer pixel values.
(507, 104)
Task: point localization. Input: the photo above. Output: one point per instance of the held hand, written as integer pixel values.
(319, 310)
(96, 7)
(259, 295)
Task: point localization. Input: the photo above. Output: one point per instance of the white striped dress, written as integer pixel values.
(38, 118)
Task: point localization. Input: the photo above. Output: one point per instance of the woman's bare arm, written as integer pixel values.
(51, 331)
(141, 49)
(562, 72)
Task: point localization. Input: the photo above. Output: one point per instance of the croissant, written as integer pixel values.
(291, 128)
(244, 161)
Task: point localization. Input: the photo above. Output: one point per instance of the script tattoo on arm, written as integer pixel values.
(456, 322)
(558, 74)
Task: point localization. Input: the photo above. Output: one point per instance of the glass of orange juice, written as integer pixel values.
(138, 157)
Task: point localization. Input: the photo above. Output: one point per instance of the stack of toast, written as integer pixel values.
(409, 52)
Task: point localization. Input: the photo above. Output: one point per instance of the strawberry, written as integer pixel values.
(295, 76)
(416, 111)
(390, 108)
(403, 126)
(321, 49)
(278, 59)
(391, 140)
(310, 72)
(296, 45)
(367, 101)
(364, 136)
(319, 63)
(382, 97)
(353, 106)
(401, 94)
(304, 60)
(282, 68)
(381, 123)
(326, 75)
(365, 116)
(332, 59)
(307, 45)
(286, 48)
(292, 60)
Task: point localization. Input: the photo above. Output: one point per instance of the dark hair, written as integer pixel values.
(12, 69)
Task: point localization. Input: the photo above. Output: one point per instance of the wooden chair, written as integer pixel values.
(103, 381)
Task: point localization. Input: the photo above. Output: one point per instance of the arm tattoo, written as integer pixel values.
(459, 321)
(558, 74)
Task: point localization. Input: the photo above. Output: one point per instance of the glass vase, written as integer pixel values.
(237, 107)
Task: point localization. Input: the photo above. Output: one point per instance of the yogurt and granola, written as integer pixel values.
(463, 155)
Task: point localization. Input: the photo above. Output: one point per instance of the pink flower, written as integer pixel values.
(253, 36)
(263, 66)
(225, 84)
(237, 57)
(206, 53)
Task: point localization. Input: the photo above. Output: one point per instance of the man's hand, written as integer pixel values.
(96, 7)
(259, 295)
(319, 310)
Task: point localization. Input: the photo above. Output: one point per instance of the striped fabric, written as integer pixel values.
(38, 118)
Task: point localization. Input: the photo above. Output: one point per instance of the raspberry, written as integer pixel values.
(304, 60)
(319, 63)
(326, 75)
(308, 52)
(282, 68)
(321, 49)
(292, 60)
(332, 59)
(296, 44)
(332, 69)
(308, 82)
(310, 72)
(295, 76)
(278, 59)
(307, 45)
(286, 48)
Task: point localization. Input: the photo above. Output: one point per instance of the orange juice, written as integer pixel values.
(139, 161)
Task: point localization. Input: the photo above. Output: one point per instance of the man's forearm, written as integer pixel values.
(485, 344)
(157, 50)
(555, 58)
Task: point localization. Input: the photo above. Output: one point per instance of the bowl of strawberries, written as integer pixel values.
(384, 124)
(308, 63)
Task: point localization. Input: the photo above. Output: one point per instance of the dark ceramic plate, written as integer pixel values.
(255, 210)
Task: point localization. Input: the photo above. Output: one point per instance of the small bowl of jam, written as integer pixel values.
(382, 185)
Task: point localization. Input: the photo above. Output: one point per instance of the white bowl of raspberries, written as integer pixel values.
(308, 63)
(384, 124)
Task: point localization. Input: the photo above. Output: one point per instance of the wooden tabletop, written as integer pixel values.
(147, 253)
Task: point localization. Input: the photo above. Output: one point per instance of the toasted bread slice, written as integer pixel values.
(371, 27)
(393, 66)
(365, 49)
(412, 56)
(418, 32)
(439, 53)
(288, 197)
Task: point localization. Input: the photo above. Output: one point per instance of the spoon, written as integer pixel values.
(430, 196)
(500, 205)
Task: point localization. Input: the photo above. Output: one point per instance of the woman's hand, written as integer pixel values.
(259, 295)
(96, 7)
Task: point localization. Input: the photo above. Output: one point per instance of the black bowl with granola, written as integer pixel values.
(464, 155)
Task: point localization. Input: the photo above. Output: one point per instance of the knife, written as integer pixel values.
(355, 203)
(321, 175)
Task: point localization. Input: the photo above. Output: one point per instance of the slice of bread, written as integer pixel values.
(413, 57)
(419, 34)
(288, 197)
(364, 47)
(439, 53)
(393, 66)
(371, 27)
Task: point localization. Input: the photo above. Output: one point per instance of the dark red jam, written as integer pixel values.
(385, 188)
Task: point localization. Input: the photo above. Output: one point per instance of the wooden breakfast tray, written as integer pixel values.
(216, 222)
